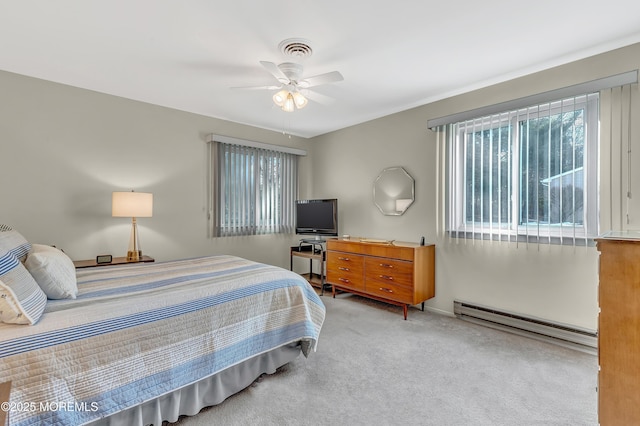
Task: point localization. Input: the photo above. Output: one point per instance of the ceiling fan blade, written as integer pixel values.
(256, 87)
(275, 71)
(317, 97)
(317, 80)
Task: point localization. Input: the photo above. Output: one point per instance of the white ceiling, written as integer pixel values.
(394, 55)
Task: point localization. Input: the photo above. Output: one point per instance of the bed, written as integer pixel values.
(143, 343)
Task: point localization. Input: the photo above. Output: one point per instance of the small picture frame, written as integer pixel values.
(103, 258)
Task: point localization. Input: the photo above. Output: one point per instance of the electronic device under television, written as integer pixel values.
(317, 217)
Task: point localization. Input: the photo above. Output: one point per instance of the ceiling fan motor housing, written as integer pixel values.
(292, 70)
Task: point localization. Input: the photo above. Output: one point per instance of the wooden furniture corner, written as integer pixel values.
(618, 325)
(5, 397)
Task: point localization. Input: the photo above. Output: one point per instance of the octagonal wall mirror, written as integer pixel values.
(393, 191)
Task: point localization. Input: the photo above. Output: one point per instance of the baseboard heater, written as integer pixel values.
(561, 334)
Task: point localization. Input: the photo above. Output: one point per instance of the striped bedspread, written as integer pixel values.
(139, 331)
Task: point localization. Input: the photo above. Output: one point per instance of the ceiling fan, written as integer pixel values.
(289, 75)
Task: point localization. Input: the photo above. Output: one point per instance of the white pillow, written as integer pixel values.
(53, 270)
(21, 300)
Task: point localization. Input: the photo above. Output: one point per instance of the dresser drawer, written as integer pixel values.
(391, 251)
(345, 269)
(351, 281)
(389, 290)
(389, 270)
(345, 262)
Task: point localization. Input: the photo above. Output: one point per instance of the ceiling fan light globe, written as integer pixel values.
(280, 97)
(289, 104)
(299, 100)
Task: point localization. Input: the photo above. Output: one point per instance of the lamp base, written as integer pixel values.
(134, 256)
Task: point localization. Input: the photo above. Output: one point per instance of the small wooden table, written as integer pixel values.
(311, 251)
(90, 263)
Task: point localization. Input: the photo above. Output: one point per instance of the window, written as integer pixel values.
(253, 190)
(527, 174)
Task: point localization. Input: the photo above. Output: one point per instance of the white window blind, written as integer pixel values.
(526, 175)
(531, 173)
(252, 190)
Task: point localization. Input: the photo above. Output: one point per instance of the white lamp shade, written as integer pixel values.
(132, 204)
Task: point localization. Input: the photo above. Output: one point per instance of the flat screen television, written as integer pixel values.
(317, 217)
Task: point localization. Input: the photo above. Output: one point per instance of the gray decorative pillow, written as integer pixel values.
(21, 300)
(11, 240)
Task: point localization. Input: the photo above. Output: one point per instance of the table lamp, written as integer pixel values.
(132, 204)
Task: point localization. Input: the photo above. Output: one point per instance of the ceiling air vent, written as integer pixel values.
(295, 47)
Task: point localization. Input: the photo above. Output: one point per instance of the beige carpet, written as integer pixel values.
(374, 368)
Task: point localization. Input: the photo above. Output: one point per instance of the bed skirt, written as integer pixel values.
(209, 391)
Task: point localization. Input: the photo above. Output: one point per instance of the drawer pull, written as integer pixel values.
(388, 290)
(344, 280)
(342, 268)
(346, 259)
(386, 277)
(386, 265)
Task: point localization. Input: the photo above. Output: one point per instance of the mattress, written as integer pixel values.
(137, 332)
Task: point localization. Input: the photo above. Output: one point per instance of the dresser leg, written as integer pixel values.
(405, 308)
(422, 306)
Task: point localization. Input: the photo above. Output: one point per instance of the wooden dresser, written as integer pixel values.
(398, 273)
(619, 329)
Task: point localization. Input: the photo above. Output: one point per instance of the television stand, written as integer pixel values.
(314, 251)
(317, 244)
